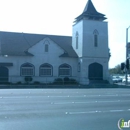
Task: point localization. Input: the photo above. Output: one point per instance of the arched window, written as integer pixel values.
(77, 40)
(45, 70)
(95, 33)
(27, 69)
(64, 70)
(46, 46)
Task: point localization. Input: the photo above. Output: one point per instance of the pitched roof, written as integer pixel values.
(91, 13)
(13, 43)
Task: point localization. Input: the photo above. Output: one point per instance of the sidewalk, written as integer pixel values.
(65, 86)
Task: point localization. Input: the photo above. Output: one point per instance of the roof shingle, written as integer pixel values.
(90, 12)
(13, 43)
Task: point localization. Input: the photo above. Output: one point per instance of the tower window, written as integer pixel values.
(46, 47)
(95, 33)
(95, 40)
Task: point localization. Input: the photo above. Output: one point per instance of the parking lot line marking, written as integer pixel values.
(72, 113)
(90, 102)
(89, 112)
(108, 101)
(60, 103)
(116, 110)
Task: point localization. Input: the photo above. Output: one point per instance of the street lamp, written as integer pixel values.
(126, 50)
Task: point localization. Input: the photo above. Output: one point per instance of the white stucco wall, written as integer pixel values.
(89, 50)
(86, 51)
(85, 62)
(78, 27)
(85, 29)
(40, 57)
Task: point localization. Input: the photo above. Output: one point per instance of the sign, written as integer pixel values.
(122, 124)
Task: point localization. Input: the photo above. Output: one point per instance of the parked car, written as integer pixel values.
(124, 80)
(116, 79)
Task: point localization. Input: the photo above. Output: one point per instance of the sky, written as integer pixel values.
(56, 17)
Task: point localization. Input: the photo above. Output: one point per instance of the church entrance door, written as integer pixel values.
(95, 71)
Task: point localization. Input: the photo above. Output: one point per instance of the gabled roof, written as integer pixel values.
(90, 13)
(17, 44)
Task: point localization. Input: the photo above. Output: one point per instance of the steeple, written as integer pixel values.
(90, 13)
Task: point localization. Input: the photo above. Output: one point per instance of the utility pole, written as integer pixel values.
(126, 53)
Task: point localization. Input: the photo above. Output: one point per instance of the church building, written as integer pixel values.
(83, 57)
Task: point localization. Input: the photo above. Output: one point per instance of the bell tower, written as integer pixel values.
(90, 42)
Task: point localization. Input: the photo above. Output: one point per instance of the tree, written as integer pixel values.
(116, 70)
(109, 54)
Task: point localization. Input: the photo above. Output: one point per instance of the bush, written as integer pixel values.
(4, 82)
(73, 81)
(36, 82)
(28, 79)
(66, 80)
(58, 81)
(19, 82)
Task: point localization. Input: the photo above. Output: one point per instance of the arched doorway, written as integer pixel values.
(95, 71)
(4, 74)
